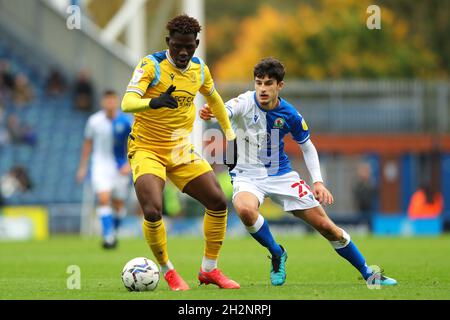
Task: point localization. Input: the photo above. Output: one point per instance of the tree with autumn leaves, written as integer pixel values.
(328, 39)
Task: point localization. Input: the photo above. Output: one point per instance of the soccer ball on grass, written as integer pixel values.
(140, 274)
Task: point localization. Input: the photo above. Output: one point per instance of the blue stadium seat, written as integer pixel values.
(53, 162)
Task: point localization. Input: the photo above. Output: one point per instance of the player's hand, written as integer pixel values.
(322, 194)
(125, 169)
(205, 113)
(81, 174)
(165, 100)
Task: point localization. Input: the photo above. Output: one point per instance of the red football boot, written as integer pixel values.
(218, 278)
(175, 282)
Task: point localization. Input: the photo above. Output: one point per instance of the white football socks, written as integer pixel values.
(208, 264)
(168, 266)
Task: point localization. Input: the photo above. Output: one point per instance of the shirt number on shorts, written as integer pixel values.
(302, 188)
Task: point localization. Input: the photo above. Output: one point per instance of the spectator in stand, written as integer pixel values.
(14, 129)
(425, 203)
(6, 81)
(14, 181)
(364, 193)
(4, 134)
(20, 133)
(84, 92)
(23, 93)
(6, 78)
(56, 84)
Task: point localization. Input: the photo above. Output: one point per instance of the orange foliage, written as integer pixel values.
(328, 39)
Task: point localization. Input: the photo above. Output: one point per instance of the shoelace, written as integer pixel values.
(276, 261)
(220, 276)
(381, 272)
(219, 273)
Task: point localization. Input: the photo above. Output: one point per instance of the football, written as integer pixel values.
(140, 274)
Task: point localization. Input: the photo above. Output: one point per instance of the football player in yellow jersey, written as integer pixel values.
(161, 95)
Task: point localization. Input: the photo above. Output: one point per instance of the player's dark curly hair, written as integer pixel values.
(184, 24)
(269, 67)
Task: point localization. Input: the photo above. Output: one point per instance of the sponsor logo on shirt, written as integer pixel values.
(137, 76)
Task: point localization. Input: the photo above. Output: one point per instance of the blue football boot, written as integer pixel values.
(379, 279)
(278, 270)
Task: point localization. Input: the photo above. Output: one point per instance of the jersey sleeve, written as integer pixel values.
(207, 87)
(299, 129)
(89, 130)
(143, 75)
(236, 106)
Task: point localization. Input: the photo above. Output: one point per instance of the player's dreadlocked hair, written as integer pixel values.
(183, 24)
(269, 67)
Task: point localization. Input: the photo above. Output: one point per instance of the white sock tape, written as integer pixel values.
(258, 224)
(339, 244)
(104, 211)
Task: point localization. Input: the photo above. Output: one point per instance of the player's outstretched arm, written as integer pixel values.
(321, 193)
(219, 111)
(125, 169)
(231, 151)
(133, 102)
(84, 160)
(206, 113)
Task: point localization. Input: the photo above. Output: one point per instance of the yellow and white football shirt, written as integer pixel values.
(159, 140)
(152, 77)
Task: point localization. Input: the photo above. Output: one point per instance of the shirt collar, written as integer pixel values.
(169, 58)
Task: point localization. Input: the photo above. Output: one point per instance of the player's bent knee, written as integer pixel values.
(218, 202)
(152, 213)
(103, 199)
(247, 214)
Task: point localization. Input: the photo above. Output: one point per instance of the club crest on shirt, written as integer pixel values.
(193, 77)
(255, 118)
(278, 123)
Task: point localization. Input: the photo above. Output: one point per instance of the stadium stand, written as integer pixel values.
(53, 160)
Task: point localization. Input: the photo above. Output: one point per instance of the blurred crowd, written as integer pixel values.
(15, 93)
(14, 181)
(21, 97)
(18, 93)
(82, 88)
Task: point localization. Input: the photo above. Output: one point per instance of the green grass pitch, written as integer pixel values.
(37, 270)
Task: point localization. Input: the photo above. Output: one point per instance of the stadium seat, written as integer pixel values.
(59, 137)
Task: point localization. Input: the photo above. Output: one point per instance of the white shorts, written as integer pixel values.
(110, 180)
(288, 190)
